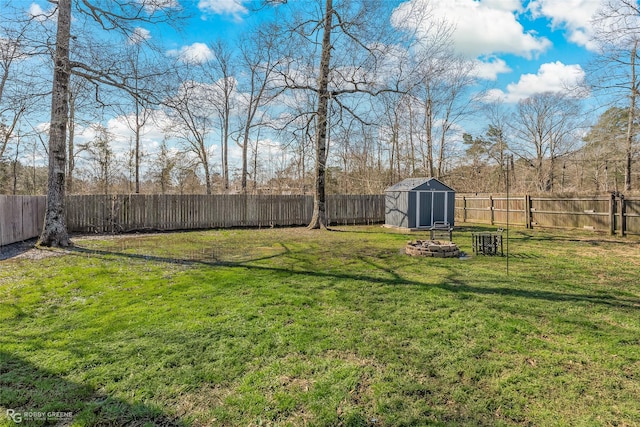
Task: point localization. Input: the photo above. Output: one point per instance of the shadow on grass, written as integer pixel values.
(474, 228)
(16, 249)
(602, 299)
(595, 238)
(453, 284)
(418, 232)
(32, 396)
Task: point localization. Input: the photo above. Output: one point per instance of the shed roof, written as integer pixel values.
(424, 184)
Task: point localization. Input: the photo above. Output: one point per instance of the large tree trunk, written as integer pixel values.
(429, 131)
(55, 227)
(137, 148)
(319, 219)
(245, 150)
(205, 165)
(225, 147)
(70, 143)
(411, 142)
(632, 114)
(138, 121)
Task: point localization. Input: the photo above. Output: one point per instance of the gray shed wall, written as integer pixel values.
(397, 208)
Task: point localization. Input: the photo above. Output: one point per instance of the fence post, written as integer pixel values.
(528, 216)
(612, 214)
(2, 200)
(464, 208)
(623, 219)
(491, 209)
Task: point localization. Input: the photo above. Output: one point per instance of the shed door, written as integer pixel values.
(431, 206)
(439, 207)
(423, 206)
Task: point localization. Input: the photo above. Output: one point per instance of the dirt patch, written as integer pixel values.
(200, 401)
(27, 250)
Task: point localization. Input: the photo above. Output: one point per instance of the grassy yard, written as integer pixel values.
(282, 327)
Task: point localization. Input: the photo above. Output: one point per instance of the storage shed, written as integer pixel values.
(418, 203)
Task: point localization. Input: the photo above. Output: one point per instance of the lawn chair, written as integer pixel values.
(440, 228)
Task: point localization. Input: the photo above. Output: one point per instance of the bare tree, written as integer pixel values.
(20, 93)
(258, 57)
(110, 16)
(606, 144)
(298, 128)
(220, 72)
(496, 138)
(437, 81)
(191, 123)
(141, 112)
(100, 157)
(442, 93)
(319, 219)
(8, 130)
(635, 84)
(80, 102)
(456, 103)
(544, 126)
(617, 35)
(162, 168)
(334, 50)
(55, 226)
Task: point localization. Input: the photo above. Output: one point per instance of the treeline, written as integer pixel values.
(245, 116)
(576, 174)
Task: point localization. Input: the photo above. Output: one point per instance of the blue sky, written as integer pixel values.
(522, 47)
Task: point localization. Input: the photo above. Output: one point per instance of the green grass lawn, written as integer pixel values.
(293, 327)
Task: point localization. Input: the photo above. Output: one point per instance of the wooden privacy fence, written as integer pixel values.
(613, 213)
(124, 213)
(21, 218)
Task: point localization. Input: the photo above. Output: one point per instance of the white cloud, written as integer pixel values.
(35, 11)
(573, 15)
(551, 77)
(508, 5)
(151, 135)
(488, 68)
(121, 136)
(483, 27)
(139, 35)
(234, 8)
(152, 7)
(197, 53)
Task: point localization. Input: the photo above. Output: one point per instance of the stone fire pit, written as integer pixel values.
(432, 248)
